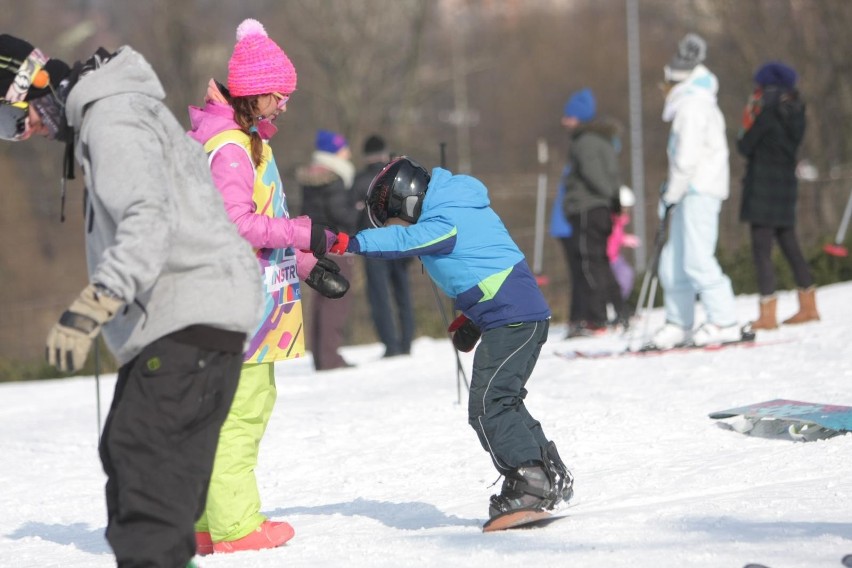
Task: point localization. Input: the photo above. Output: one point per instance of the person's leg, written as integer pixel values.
(400, 282)
(233, 500)
(761, 252)
(624, 276)
(568, 249)
(501, 368)
(678, 294)
(701, 233)
(332, 315)
(158, 446)
(378, 294)
(598, 275)
(580, 286)
(789, 244)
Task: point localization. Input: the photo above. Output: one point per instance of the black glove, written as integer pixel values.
(326, 279)
(322, 239)
(465, 333)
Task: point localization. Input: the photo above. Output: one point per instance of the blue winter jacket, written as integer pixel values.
(466, 250)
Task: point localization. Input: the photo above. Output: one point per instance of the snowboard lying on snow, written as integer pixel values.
(802, 421)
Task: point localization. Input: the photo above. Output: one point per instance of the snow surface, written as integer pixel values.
(376, 466)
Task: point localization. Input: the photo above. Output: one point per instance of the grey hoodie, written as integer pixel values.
(156, 229)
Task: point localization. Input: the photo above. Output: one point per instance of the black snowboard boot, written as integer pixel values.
(527, 487)
(563, 481)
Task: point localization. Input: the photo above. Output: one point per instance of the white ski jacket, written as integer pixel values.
(697, 146)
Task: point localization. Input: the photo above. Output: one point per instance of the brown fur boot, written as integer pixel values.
(767, 320)
(807, 307)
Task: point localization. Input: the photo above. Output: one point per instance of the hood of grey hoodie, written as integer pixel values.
(126, 72)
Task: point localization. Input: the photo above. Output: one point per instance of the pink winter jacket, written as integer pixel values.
(233, 175)
(616, 237)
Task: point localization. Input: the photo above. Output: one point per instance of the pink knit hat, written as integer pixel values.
(258, 66)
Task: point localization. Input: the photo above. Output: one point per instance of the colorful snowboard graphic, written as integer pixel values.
(803, 421)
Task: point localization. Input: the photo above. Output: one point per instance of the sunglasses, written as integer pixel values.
(282, 100)
(13, 119)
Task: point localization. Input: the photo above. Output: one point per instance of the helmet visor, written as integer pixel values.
(13, 120)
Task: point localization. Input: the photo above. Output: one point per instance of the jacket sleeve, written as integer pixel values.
(685, 146)
(432, 236)
(233, 175)
(752, 137)
(305, 262)
(137, 198)
(597, 165)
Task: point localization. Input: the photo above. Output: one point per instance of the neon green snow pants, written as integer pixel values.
(233, 500)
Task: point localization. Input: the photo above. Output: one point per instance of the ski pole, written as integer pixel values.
(650, 280)
(837, 248)
(460, 374)
(98, 386)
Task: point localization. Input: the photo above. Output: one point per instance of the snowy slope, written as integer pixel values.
(375, 466)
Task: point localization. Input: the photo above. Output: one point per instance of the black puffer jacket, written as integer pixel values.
(325, 198)
(770, 188)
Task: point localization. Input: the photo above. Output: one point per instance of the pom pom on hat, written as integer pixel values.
(258, 65)
(250, 26)
(581, 105)
(691, 50)
(331, 142)
(776, 73)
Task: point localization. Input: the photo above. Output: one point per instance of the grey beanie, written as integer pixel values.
(691, 51)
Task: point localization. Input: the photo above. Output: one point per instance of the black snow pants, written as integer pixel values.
(502, 365)
(159, 442)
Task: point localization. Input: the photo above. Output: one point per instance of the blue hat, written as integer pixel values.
(581, 105)
(776, 73)
(328, 141)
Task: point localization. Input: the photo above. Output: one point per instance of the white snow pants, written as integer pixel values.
(688, 265)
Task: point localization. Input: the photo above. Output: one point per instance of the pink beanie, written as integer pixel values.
(258, 66)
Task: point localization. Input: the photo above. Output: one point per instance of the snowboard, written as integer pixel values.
(746, 343)
(802, 421)
(522, 518)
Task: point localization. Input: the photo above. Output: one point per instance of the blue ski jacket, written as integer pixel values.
(466, 250)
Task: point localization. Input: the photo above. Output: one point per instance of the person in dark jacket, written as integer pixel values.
(326, 198)
(773, 129)
(448, 222)
(591, 191)
(388, 289)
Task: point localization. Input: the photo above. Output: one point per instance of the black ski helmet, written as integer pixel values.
(397, 192)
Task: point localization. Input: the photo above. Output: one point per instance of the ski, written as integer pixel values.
(650, 352)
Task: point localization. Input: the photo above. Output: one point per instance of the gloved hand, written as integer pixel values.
(465, 333)
(70, 340)
(322, 239)
(326, 279)
(663, 208)
(341, 245)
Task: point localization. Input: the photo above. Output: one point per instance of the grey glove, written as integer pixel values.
(71, 338)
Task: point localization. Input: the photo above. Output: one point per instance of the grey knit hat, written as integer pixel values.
(691, 51)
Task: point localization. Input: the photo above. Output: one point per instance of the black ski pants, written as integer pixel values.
(592, 279)
(761, 249)
(502, 365)
(159, 442)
